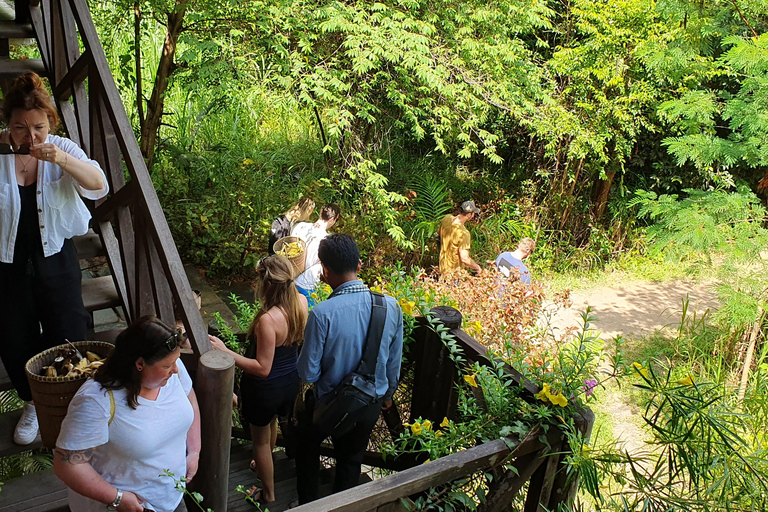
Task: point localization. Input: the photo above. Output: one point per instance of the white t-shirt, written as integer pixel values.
(312, 236)
(137, 446)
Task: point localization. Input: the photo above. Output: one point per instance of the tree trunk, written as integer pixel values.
(752, 340)
(164, 70)
(601, 197)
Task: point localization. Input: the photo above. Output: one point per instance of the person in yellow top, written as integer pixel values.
(455, 240)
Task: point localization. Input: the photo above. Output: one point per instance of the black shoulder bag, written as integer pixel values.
(338, 411)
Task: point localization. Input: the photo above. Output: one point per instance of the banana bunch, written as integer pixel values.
(291, 249)
(67, 364)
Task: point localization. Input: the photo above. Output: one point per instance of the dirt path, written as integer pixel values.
(633, 309)
(637, 307)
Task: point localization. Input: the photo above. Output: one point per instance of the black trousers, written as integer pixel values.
(348, 452)
(45, 293)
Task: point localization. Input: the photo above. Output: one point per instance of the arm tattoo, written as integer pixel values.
(75, 456)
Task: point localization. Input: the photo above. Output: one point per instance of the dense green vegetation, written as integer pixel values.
(627, 132)
(549, 114)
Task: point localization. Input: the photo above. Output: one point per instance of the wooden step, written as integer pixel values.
(100, 293)
(8, 422)
(13, 30)
(38, 492)
(11, 68)
(88, 245)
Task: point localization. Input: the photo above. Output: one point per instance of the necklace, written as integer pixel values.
(23, 163)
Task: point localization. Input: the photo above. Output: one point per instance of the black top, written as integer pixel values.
(281, 227)
(28, 254)
(28, 241)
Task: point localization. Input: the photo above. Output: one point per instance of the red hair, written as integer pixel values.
(29, 93)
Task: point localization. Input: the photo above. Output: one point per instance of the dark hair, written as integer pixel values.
(330, 212)
(144, 339)
(28, 93)
(339, 253)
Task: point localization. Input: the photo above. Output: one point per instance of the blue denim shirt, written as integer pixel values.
(335, 336)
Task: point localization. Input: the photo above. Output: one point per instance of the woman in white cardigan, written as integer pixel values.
(42, 180)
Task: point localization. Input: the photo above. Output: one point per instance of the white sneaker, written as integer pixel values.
(27, 428)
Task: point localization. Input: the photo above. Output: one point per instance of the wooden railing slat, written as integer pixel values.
(391, 488)
(501, 493)
(77, 73)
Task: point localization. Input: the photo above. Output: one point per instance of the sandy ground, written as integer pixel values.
(636, 307)
(633, 309)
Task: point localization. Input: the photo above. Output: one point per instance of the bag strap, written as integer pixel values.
(111, 407)
(367, 367)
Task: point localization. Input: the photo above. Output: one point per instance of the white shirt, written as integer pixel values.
(139, 444)
(312, 236)
(62, 213)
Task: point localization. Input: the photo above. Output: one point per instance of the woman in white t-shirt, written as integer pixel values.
(137, 419)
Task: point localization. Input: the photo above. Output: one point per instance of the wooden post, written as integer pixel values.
(562, 493)
(215, 381)
(435, 375)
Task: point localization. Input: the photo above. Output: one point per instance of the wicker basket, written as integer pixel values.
(299, 261)
(53, 394)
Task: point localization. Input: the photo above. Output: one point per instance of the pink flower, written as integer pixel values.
(589, 386)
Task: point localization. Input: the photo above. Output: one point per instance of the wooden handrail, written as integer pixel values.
(446, 469)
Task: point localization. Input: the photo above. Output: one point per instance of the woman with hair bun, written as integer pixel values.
(42, 180)
(270, 381)
(282, 226)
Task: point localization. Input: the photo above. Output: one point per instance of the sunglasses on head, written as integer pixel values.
(7, 149)
(173, 341)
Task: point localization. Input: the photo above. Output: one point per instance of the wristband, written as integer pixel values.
(193, 453)
(116, 503)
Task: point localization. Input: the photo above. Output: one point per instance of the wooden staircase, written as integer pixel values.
(131, 236)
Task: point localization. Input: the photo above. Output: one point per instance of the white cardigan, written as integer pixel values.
(62, 213)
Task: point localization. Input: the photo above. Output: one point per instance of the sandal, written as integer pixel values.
(256, 495)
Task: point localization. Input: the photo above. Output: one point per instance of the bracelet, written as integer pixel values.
(116, 503)
(193, 453)
(66, 160)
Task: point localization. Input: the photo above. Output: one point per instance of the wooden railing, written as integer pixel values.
(433, 396)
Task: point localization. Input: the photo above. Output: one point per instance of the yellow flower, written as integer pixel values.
(313, 295)
(427, 425)
(445, 423)
(439, 434)
(544, 394)
(558, 399)
(639, 368)
(407, 306)
(477, 326)
(416, 429)
(688, 381)
(471, 380)
(376, 289)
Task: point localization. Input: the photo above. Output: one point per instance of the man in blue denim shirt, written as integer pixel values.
(333, 347)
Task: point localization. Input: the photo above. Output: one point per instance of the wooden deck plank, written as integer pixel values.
(100, 293)
(13, 30)
(43, 492)
(88, 245)
(40, 492)
(11, 68)
(8, 422)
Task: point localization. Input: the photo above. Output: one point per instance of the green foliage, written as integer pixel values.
(705, 223)
(431, 205)
(706, 454)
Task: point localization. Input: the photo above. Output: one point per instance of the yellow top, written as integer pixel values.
(453, 237)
